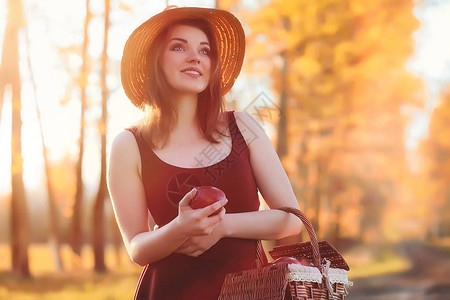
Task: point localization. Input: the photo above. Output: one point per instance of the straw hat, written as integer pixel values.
(227, 30)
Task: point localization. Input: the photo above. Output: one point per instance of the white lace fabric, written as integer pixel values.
(312, 274)
(304, 273)
(338, 276)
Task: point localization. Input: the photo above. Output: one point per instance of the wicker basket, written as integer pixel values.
(325, 278)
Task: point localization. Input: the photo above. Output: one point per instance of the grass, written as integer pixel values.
(70, 286)
(442, 243)
(78, 281)
(374, 261)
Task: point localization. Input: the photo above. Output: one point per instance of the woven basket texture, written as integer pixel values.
(304, 250)
(272, 282)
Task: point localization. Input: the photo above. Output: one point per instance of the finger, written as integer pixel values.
(184, 247)
(214, 219)
(182, 251)
(186, 250)
(210, 223)
(210, 209)
(187, 198)
(185, 244)
(197, 253)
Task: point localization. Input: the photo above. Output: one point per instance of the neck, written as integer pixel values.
(187, 111)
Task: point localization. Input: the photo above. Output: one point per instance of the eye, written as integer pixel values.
(205, 51)
(177, 47)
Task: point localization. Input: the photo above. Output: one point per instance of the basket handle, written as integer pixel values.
(309, 228)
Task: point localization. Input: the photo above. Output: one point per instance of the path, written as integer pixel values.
(429, 277)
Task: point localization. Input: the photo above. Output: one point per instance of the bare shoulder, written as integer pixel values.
(124, 149)
(244, 119)
(124, 138)
(249, 127)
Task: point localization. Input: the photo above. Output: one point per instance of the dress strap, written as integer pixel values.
(144, 148)
(239, 143)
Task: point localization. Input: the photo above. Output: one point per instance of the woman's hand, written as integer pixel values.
(197, 245)
(198, 222)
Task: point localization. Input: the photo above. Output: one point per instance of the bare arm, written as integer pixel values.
(130, 208)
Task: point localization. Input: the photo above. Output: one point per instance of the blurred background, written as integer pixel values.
(354, 94)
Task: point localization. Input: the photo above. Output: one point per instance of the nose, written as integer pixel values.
(193, 57)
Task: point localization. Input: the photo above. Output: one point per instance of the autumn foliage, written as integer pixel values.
(434, 179)
(342, 65)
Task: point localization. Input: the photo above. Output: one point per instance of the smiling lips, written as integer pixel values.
(193, 72)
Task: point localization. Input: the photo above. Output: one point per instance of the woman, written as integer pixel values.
(177, 66)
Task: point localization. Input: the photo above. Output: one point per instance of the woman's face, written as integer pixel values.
(186, 61)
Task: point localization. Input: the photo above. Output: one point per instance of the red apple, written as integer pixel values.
(207, 195)
(291, 260)
(306, 262)
(286, 260)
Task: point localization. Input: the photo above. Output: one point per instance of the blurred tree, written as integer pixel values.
(62, 178)
(76, 235)
(54, 232)
(10, 75)
(98, 222)
(435, 154)
(338, 69)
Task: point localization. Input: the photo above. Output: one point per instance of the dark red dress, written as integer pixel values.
(179, 276)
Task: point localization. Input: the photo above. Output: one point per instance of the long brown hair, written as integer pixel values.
(160, 112)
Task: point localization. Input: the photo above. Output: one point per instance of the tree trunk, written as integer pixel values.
(54, 234)
(282, 124)
(316, 201)
(337, 228)
(76, 236)
(98, 223)
(317, 196)
(19, 230)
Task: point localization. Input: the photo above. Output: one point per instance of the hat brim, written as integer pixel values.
(228, 32)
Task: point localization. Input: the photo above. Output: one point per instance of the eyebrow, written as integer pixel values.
(185, 41)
